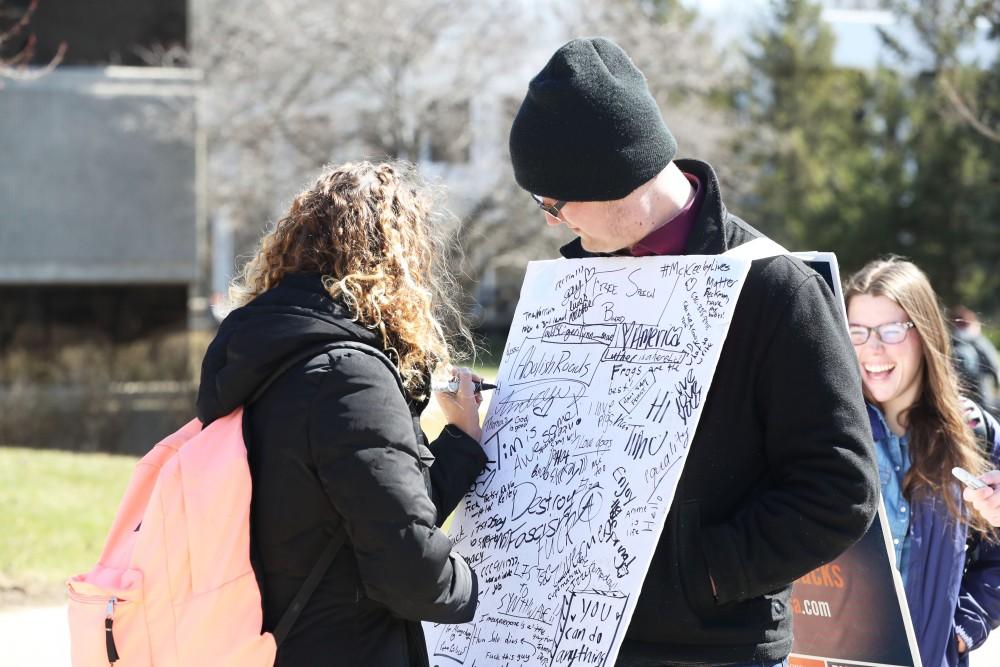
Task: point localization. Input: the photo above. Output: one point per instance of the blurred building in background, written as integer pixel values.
(99, 210)
(102, 235)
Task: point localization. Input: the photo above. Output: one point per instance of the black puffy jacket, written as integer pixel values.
(331, 443)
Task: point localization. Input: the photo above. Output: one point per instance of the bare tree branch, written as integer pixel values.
(16, 67)
(943, 26)
(300, 83)
(965, 109)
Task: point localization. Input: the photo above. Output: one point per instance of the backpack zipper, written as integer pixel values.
(109, 637)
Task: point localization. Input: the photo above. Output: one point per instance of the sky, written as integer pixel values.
(858, 44)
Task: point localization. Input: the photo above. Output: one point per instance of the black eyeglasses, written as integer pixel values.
(552, 209)
(892, 333)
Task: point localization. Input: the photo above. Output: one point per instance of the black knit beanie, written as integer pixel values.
(588, 129)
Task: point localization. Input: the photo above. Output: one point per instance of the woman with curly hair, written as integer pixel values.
(341, 316)
(923, 429)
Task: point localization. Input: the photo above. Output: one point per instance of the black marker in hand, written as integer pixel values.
(451, 387)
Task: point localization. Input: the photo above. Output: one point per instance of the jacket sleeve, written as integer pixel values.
(458, 460)
(978, 610)
(365, 451)
(822, 489)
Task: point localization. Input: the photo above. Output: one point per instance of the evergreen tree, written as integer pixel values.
(949, 210)
(808, 136)
(870, 163)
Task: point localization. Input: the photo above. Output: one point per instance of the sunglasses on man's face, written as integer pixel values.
(554, 209)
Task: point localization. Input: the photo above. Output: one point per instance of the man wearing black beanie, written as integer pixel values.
(781, 474)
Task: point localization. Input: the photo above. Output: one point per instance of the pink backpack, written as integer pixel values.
(174, 584)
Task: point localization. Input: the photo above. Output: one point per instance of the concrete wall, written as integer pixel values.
(98, 177)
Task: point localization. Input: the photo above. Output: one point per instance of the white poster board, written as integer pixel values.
(600, 388)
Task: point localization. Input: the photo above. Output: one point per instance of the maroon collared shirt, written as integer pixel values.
(671, 238)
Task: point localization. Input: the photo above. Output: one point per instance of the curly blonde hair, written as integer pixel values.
(370, 230)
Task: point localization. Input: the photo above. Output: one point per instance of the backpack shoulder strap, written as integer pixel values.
(309, 586)
(312, 581)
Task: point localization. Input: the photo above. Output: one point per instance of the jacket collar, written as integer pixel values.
(879, 428)
(710, 235)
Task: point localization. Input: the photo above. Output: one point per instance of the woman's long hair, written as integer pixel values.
(939, 436)
(370, 230)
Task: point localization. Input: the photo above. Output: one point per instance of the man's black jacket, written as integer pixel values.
(331, 443)
(781, 475)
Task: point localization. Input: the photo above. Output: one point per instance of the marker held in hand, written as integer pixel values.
(451, 387)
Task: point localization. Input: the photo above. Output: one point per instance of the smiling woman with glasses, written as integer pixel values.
(921, 428)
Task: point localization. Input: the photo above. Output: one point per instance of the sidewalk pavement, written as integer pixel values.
(38, 637)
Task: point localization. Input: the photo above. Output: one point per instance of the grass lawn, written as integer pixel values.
(56, 507)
